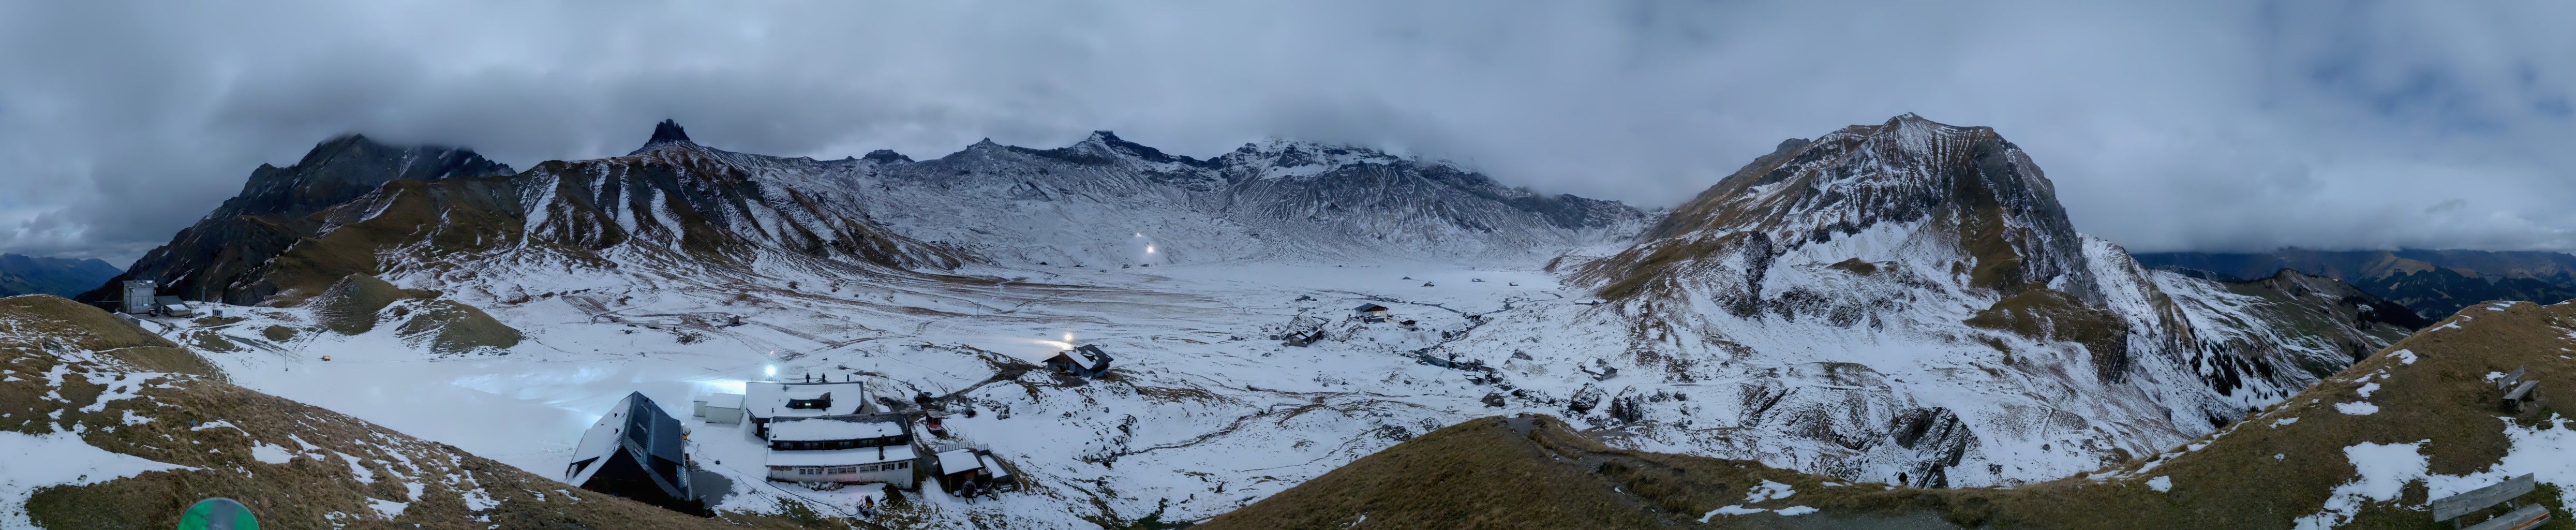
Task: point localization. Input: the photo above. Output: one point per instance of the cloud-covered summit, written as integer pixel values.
(2212, 126)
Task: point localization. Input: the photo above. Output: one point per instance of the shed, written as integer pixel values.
(1303, 338)
(993, 468)
(1370, 312)
(959, 468)
(719, 408)
(1087, 360)
(170, 306)
(636, 451)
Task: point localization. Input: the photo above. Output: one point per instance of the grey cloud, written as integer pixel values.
(2217, 125)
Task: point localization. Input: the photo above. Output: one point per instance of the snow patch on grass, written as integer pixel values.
(1769, 491)
(2403, 356)
(2283, 421)
(269, 453)
(387, 509)
(2161, 483)
(1731, 509)
(2357, 408)
(2365, 390)
(1797, 510)
(2384, 468)
(58, 458)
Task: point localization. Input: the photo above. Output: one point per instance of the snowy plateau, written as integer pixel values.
(1899, 303)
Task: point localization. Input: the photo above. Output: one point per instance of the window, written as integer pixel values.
(576, 467)
(809, 471)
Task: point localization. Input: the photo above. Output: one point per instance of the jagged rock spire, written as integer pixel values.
(666, 133)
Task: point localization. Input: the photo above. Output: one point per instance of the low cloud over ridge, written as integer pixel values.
(2173, 126)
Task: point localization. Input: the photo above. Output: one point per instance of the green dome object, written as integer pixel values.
(218, 514)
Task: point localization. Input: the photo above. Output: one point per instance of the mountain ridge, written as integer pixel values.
(24, 274)
(2430, 282)
(208, 260)
(1899, 264)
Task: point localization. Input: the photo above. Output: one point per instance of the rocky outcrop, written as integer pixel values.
(350, 307)
(450, 327)
(214, 259)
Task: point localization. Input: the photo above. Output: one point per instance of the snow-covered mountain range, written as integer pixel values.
(1903, 302)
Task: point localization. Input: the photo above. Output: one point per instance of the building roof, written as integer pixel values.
(992, 467)
(842, 457)
(830, 429)
(724, 401)
(956, 461)
(636, 425)
(768, 399)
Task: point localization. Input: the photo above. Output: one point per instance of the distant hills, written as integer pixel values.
(23, 274)
(2431, 282)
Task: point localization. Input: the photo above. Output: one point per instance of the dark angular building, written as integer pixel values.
(637, 452)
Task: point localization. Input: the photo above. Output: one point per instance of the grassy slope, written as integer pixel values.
(1486, 474)
(305, 492)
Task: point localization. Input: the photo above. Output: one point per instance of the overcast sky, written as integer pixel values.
(2167, 125)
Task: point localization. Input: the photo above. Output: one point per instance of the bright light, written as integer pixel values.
(1140, 234)
(1068, 336)
(1149, 249)
(770, 371)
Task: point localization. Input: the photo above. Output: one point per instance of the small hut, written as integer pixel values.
(1087, 360)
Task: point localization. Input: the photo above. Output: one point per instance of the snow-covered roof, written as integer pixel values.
(822, 429)
(768, 399)
(596, 444)
(992, 467)
(956, 461)
(725, 401)
(842, 457)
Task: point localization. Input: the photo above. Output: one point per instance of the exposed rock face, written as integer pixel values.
(213, 259)
(1907, 302)
(1965, 182)
(666, 133)
(357, 208)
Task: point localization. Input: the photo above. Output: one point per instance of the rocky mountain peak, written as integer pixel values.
(666, 133)
(1104, 147)
(1916, 175)
(885, 156)
(345, 167)
(1275, 158)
